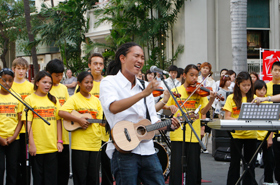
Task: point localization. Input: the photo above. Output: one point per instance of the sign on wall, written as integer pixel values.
(269, 57)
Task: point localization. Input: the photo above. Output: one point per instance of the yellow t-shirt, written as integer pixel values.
(61, 93)
(95, 92)
(45, 136)
(23, 89)
(231, 107)
(190, 105)
(9, 109)
(269, 91)
(89, 139)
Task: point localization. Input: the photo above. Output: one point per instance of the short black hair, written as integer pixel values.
(224, 69)
(173, 68)
(55, 66)
(258, 85)
(180, 71)
(277, 63)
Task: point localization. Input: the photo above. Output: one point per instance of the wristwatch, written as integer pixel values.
(269, 98)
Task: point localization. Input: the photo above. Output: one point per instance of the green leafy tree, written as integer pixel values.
(65, 26)
(145, 22)
(12, 25)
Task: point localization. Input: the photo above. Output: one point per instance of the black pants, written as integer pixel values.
(268, 161)
(63, 168)
(249, 146)
(44, 169)
(192, 153)
(9, 158)
(107, 178)
(22, 161)
(85, 167)
(276, 150)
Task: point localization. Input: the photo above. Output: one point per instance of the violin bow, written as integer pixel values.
(197, 87)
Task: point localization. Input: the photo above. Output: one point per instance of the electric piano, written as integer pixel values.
(221, 124)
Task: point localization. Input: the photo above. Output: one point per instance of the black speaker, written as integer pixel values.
(219, 142)
(219, 133)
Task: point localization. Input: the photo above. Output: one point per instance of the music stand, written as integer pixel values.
(264, 111)
(249, 111)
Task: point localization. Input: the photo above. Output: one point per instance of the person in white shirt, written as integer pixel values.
(123, 98)
(232, 75)
(171, 81)
(222, 73)
(205, 69)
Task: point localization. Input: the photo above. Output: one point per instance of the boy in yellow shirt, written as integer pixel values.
(55, 68)
(23, 88)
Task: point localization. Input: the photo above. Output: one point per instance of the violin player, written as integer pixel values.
(192, 147)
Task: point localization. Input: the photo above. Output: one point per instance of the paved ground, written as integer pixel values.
(216, 171)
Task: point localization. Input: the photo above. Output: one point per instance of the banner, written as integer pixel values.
(269, 57)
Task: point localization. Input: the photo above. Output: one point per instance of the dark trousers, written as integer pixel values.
(268, 161)
(128, 167)
(193, 165)
(44, 169)
(107, 178)
(9, 158)
(22, 161)
(276, 150)
(63, 166)
(249, 146)
(85, 166)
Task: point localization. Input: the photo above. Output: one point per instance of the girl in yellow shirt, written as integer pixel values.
(44, 140)
(243, 92)
(260, 90)
(10, 126)
(86, 142)
(192, 147)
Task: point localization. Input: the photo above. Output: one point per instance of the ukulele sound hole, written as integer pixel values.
(141, 130)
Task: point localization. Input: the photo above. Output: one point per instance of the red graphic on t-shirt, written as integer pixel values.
(188, 104)
(45, 113)
(7, 109)
(93, 113)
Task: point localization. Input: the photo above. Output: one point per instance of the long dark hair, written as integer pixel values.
(38, 77)
(237, 96)
(81, 77)
(115, 65)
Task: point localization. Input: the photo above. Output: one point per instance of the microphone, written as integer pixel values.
(155, 69)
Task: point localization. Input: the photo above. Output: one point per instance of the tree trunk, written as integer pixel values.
(30, 35)
(4, 53)
(238, 15)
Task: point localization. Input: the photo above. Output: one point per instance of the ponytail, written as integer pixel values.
(52, 98)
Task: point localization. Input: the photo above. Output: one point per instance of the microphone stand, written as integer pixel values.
(183, 159)
(27, 108)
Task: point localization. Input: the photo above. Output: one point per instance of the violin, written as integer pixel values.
(202, 91)
(160, 90)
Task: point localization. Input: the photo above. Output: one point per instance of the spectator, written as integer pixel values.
(222, 73)
(70, 82)
(171, 81)
(254, 76)
(232, 75)
(180, 77)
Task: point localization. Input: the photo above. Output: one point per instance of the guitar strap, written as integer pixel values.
(147, 111)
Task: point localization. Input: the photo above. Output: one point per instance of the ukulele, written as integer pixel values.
(72, 126)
